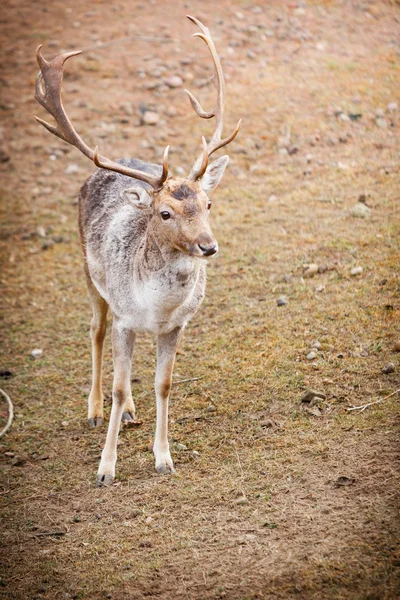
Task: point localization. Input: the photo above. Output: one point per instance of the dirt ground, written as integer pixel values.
(273, 497)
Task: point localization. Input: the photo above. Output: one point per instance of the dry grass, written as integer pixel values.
(297, 534)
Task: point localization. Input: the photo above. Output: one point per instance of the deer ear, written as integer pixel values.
(213, 174)
(137, 196)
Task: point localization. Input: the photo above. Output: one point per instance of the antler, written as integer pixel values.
(200, 166)
(48, 94)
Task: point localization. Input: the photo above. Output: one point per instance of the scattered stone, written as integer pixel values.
(396, 346)
(135, 512)
(4, 374)
(360, 211)
(210, 409)
(356, 271)
(41, 231)
(315, 411)
(310, 270)
(282, 301)
(340, 355)
(392, 106)
(267, 423)
(312, 355)
(174, 82)
(151, 118)
(292, 150)
(37, 353)
(241, 500)
(4, 157)
(195, 453)
(252, 55)
(317, 345)
(342, 481)
(181, 446)
(320, 288)
(72, 169)
(311, 395)
(380, 112)
(273, 198)
(381, 123)
(390, 368)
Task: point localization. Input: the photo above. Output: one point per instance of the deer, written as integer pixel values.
(145, 237)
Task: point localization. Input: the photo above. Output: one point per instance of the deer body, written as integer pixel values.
(149, 286)
(145, 236)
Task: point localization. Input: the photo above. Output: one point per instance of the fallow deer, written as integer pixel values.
(145, 236)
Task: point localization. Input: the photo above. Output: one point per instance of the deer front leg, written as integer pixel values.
(97, 333)
(166, 351)
(123, 341)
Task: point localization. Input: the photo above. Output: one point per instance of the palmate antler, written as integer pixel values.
(48, 94)
(216, 142)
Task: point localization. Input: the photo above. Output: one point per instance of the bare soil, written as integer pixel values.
(272, 498)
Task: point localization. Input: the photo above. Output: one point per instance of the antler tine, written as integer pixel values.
(218, 112)
(48, 94)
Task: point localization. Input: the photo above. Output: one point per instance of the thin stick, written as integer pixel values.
(174, 383)
(50, 534)
(364, 406)
(186, 380)
(10, 413)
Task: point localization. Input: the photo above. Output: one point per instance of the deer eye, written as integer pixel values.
(165, 215)
(209, 205)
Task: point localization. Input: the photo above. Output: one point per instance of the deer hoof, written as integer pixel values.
(127, 417)
(95, 421)
(165, 469)
(104, 480)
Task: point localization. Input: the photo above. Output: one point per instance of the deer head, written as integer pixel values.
(180, 205)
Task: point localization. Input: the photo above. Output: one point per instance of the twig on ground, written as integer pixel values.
(187, 380)
(364, 406)
(10, 413)
(50, 534)
(174, 383)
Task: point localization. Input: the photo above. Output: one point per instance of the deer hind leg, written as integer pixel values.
(166, 351)
(98, 328)
(123, 341)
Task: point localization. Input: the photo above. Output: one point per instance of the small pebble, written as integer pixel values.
(311, 355)
(37, 353)
(310, 270)
(282, 301)
(151, 118)
(72, 169)
(380, 112)
(41, 231)
(310, 395)
(361, 211)
(181, 447)
(390, 368)
(174, 82)
(396, 346)
(195, 453)
(316, 345)
(356, 271)
(241, 500)
(392, 106)
(381, 123)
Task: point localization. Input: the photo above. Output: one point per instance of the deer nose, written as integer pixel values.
(209, 250)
